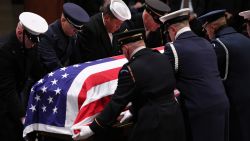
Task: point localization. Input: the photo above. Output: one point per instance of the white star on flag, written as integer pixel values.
(76, 65)
(44, 108)
(54, 82)
(40, 81)
(44, 89)
(58, 90)
(63, 69)
(55, 110)
(32, 89)
(50, 99)
(37, 98)
(33, 108)
(51, 74)
(65, 75)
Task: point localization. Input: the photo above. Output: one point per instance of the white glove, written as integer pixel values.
(125, 116)
(85, 132)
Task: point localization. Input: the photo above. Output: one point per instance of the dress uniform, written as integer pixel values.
(233, 53)
(17, 63)
(95, 41)
(155, 8)
(147, 81)
(56, 46)
(202, 95)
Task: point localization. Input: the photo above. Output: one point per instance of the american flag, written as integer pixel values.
(71, 95)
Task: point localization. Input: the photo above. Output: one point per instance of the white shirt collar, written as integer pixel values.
(136, 50)
(184, 29)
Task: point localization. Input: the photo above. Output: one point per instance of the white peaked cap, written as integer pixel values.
(120, 10)
(245, 14)
(175, 14)
(33, 23)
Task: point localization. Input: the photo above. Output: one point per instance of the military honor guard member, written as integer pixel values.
(56, 45)
(232, 49)
(18, 62)
(202, 95)
(97, 37)
(149, 20)
(147, 81)
(246, 15)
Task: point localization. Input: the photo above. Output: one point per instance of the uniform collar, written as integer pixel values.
(136, 50)
(224, 30)
(184, 29)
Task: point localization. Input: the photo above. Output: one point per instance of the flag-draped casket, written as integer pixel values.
(72, 95)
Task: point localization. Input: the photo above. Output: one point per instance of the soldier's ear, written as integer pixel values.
(63, 19)
(213, 26)
(19, 33)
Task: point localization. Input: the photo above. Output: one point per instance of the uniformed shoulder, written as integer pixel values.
(131, 60)
(215, 43)
(168, 48)
(49, 33)
(124, 69)
(167, 45)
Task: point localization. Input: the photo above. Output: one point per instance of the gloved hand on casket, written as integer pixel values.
(81, 132)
